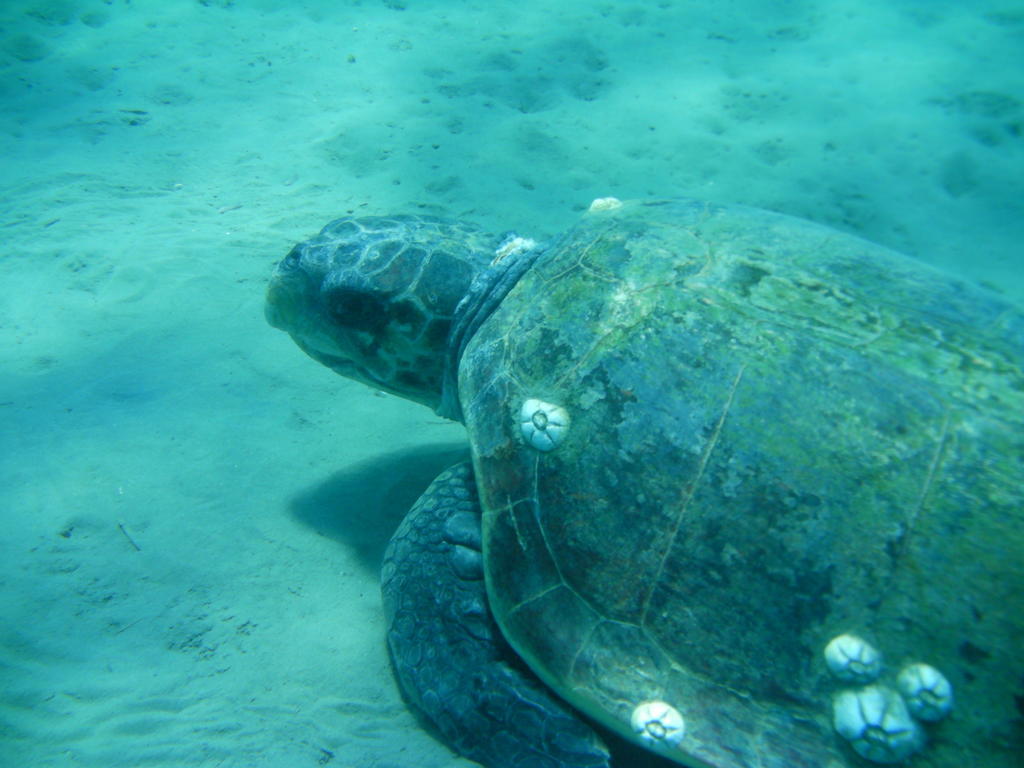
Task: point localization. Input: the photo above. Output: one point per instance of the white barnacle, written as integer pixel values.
(658, 723)
(543, 425)
(928, 693)
(853, 659)
(605, 204)
(877, 724)
(513, 245)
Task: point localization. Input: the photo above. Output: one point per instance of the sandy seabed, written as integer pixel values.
(193, 512)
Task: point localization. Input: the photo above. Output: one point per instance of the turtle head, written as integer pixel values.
(373, 298)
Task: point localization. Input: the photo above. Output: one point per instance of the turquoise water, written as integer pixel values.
(193, 513)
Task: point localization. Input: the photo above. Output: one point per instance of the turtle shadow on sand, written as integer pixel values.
(362, 504)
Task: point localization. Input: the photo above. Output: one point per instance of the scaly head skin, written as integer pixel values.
(373, 298)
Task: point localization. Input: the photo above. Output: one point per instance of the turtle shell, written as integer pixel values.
(710, 439)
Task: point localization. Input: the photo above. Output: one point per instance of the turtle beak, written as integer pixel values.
(275, 309)
(292, 306)
(289, 296)
(287, 292)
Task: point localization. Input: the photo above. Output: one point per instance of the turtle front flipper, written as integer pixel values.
(449, 657)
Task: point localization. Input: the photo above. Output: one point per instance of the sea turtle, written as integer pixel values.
(744, 489)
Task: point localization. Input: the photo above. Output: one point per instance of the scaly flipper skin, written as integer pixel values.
(450, 660)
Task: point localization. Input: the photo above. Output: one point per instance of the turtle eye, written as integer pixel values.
(358, 310)
(292, 260)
